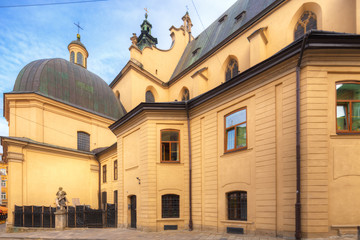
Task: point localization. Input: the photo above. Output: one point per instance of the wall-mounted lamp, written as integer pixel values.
(138, 180)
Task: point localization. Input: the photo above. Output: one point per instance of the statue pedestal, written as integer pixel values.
(60, 219)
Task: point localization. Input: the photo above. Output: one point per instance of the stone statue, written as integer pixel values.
(61, 199)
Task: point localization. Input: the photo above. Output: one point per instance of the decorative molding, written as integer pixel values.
(15, 157)
(94, 168)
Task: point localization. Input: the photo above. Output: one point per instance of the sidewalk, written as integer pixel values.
(125, 234)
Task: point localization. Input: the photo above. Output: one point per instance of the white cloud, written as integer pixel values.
(28, 34)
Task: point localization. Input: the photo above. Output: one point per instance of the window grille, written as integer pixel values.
(237, 205)
(83, 141)
(185, 95)
(306, 22)
(232, 70)
(170, 206)
(149, 97)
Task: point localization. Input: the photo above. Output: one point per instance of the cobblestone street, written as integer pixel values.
(127, 234)
(124, 234)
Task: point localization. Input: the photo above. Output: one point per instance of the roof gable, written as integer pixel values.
(232, 20)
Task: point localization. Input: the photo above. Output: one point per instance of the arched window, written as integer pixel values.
(232, 70)
(79, 58)
(237, 205)
(306, 22)
(170, 206)
(72, 57)
(149, 97)
(185, 95)
(83, 142)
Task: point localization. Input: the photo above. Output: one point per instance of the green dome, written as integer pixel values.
(71, 84)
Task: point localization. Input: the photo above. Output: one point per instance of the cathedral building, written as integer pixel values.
(250, 127)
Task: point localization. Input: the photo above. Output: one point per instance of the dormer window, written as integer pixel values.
(195, 51)
(222, 18)
(240, 16)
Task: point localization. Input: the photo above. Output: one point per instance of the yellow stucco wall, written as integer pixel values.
(37, 171)
(266, 169)
(44, 120)
(46, 155)
(279, 32)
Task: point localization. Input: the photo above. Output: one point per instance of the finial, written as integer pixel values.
(146, 14)
(187, 10)
(78, 26)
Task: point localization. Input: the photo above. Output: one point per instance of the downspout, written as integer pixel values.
(99, 184)
(190, 169)
(298, 157)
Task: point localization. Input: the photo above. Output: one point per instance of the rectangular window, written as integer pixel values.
(3, 183)
(235, 130)
(348, 108)
(104, 173)
(170, 206)
(115, 197)
(237, 205)
(115, 170)
(3, 196)
(170, 146)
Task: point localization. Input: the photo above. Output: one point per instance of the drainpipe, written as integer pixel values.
(298, 158)
(190, 169)
(99, 184)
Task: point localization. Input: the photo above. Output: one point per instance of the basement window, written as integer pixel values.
(237, 205)
(170, 206)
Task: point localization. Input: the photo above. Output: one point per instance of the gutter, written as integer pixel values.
(298, 156)
(99, 182)
(190, 169)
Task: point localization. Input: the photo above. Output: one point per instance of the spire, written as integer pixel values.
(187, 24)
(146, 39)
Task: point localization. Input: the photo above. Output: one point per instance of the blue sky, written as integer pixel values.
(31, 33)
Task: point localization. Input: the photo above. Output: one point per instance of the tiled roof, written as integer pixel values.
(69, 83)
(232, 20)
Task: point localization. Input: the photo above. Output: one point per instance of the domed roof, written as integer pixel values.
(69, 83)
